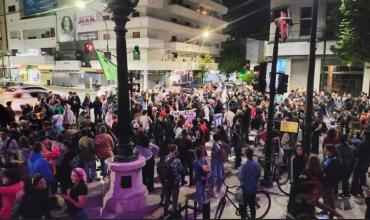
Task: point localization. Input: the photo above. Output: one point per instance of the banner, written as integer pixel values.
(85, 21)
(189, 115)
(289, 126)
(89, 36)
(34, 7)
(66, 26)
(108, 67)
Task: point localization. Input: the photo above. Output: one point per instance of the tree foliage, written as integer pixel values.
(354, 32)
(203, 64)
(231, 61)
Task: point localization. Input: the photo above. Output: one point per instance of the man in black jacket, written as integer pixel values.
(361, 164)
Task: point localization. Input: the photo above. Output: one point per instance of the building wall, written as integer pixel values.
(3, 38)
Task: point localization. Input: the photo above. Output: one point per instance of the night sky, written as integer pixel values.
(255, 26)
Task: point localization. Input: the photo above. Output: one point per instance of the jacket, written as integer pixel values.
(104, 146)
(8, 195)
(37, 164)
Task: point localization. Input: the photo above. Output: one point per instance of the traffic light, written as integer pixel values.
(136, 53)
(260, 84)
(88, 47)
(282, 83)
(283, 26)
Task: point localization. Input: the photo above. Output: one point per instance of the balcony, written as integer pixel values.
(215, 5)
(290, 48)
(192, 48)
(32, 43)
(167, 65)
(158, 24)
(185, 12)
(31, 60)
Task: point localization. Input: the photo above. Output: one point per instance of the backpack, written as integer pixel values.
(164, 171)
(224, 151)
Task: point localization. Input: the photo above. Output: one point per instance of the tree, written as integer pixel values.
(247, 76)
(203, 64)
(354, 32)
(231, 61)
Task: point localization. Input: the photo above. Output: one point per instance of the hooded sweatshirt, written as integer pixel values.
(37, 164)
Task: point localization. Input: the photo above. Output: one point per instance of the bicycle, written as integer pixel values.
(263, 203)
(280, 173)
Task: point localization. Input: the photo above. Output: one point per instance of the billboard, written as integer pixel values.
(88, 36)
(34, 7)
(66, 26)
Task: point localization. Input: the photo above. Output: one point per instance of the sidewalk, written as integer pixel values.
(278, 208)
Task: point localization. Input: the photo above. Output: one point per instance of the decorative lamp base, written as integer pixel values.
(127, 193)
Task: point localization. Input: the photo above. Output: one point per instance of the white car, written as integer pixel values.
(21, 95)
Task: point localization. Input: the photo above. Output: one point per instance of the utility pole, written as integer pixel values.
(310, 80)
(267, 179)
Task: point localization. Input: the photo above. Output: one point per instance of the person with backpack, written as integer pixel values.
(219, 155)
(169, 170)
(331, 176)
(201, 174)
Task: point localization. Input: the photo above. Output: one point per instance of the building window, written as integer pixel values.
(173, 38)
(136, 34)
(306, 20)
(106, 36)
(106, 18)
(136, 14)
(15, 35)
(52, 32)
(48, 51)
(276, 13)
(11, 8)
(332, 21)
(14, 52)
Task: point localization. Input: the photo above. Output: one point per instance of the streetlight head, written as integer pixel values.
(206, 34)
(80, 4)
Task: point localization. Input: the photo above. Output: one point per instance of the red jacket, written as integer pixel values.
(8, 196)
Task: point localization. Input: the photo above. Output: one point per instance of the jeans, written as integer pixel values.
(218, 119)
(249, 201)
(359, 179)
(79, 215)
(199, 190)
(104, 168)
(148, 174)
(90, 170)
(218, 172)
(315, 144)
(328, 195)
(171, 192)
(346, 174)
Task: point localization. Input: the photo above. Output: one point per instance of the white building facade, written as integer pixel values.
(330, 73)
(169, 34)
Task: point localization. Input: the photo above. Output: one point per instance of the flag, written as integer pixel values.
(108, 67)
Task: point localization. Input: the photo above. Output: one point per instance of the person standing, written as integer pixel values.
(98, 109)
(37, 164)
(172, 187)
(76, 196)
(87, 155)
(201, 174)
(87, 104)
(361, 164)
(317, 130)
(248, 176)
(186, 155)
(331, 176)
(70, 160)
(345, 154)
(104, 146)
(75, 103)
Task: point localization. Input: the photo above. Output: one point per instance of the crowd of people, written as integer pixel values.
(50, 152)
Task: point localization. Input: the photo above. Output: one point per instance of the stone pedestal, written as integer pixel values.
(127, 193)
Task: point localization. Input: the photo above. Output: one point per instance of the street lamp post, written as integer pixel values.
(310, 81)
(127, 193)
(121, 10)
